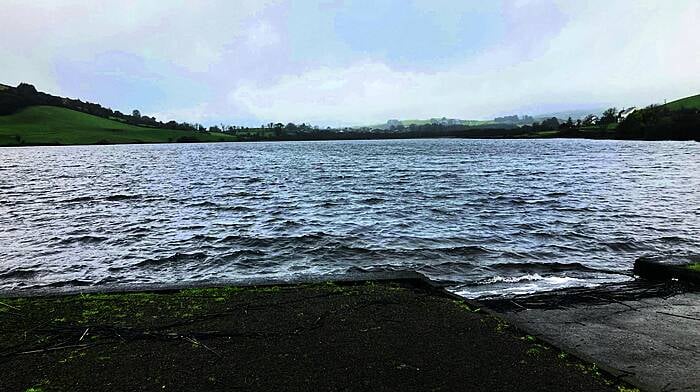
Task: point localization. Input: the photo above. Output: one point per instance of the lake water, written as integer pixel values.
(487, 216)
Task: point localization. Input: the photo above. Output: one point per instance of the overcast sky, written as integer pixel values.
(339, 62)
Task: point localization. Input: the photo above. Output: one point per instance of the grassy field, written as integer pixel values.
(685, 103)
(48, 125)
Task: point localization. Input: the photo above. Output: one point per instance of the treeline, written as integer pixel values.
(411, 132)
(661, 123)
(654, 122)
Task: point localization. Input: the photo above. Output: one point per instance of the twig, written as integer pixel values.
(678, 315)
(198, 343)
(83, 335)
(10, 306)
(616, 301)
(54, 349)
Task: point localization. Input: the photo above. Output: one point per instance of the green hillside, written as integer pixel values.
(685, 103)
(49, 125)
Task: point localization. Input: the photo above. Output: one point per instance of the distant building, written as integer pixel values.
(624, 113)
(393, 123)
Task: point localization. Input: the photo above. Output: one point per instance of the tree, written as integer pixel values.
(550, 124)
(136, 113)
(609, 116)
(26, 89)
(567, 125)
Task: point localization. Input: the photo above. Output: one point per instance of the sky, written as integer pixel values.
(337, 63)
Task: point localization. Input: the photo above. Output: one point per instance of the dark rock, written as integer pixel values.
(657, 268)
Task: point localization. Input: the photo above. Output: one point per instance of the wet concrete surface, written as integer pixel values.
(652, 342)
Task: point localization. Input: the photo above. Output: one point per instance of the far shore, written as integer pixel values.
(524, 137)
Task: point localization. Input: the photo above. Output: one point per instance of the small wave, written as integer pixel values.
(377, 268)
(562, 248)
(83, 239)
(290, 223)
(70, 283)
(19, 273)
(399, 253)
(240, 253)
(203, 204)
(449, 268)
(461, 250)
(515, 279)
(518, 255)
(192, 227)
(176, 258)
(107, 280)
(519, 200)
(675, 239)
(237, 208)
(139, 230)
(79, 199)
(543, 267)
(626, 246)
(201, 237)
(240, 194)
(247, 241)
(120, 197)
(556, 194)
(443, 196)
(505, 286)
(372, 201)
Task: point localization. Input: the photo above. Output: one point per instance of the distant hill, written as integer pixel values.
(439, 121)
(684, 103)
(50, 125)
(505, 120)
(31, 117)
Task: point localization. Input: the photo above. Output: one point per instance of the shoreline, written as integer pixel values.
(558, 137)
(409, 277)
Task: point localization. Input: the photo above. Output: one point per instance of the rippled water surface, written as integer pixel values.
(488, 216)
